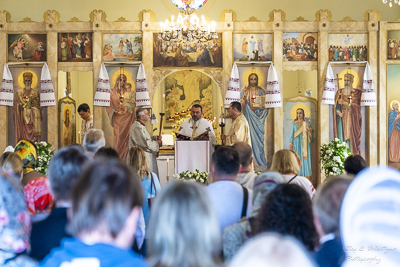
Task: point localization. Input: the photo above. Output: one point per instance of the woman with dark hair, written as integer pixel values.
(287, 210)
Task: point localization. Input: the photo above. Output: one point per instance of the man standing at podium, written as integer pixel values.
(239, 131)
(197, 125)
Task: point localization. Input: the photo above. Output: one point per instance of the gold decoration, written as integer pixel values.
(216, 75)
(51, 16)
(394, 101)
(27, 19)
(100, 12)
(327, 17)
(347, 19)
(397, 20)
(252, 19)
(300, 19)
(7, 16)
(302, 106)
(74, 19)
(366, 14)
(152, 14)
(283, 14)
(234, 14)
(122, 19)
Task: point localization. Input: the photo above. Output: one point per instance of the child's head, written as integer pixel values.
(128, 87)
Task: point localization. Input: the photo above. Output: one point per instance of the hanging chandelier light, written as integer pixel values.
(396, 2)
(187, 28)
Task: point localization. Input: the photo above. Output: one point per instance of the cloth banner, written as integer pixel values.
(7, 92)
(273, 98)
(47, 97)
(233, 92)
(328, 96)
(368, 95)
(103, 91)
(142, 92)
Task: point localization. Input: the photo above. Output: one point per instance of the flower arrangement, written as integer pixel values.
(44, 156)
(333, 156)
(195, 176)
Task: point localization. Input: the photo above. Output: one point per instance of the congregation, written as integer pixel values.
(95, 209)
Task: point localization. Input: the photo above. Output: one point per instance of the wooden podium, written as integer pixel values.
(192, 155)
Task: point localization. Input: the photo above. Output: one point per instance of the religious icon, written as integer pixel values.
(348, 47)
(347, 113)
(252, 47)
(300, 46)
(394, 131)
(205, 54)
(27, 112)
(185, 88)
(67, 117)
(75, 47)
(393, 45)
(122, 47)
(299, 131)
(253, 83)
(27, 47)
(122, 110)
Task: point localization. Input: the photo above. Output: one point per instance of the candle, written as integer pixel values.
(163, 104)
(167, 167)
(253, 97)
(222, 111)
(79, 137)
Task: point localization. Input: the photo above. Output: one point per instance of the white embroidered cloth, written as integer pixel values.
(47, 97)
(103, 91)
(233, 91)
(273, 98)
(7, 92)
(142, 92)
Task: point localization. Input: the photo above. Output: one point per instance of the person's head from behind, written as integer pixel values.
(94, 139)
(263, 185)
(287, 210)
(106, 201)
(369, 216)
(84, 111)
(245, 153)
(11, 163)
(16, 223)
(64, 169)
(192, 236)
(327, 203)
(107, 152)
(354, 164)
(272, 250)
(225, 163)
(284, 162)
(28, 153)
(137, 160)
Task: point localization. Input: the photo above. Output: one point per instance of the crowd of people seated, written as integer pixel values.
(94, 209)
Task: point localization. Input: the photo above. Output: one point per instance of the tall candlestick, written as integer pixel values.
(163, 104)
(167, 169)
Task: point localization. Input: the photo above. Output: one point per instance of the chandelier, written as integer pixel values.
(187, 28)
(396, 2)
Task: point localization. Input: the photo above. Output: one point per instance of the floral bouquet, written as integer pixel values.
(44, 156)
(195, 176)
(333, 156)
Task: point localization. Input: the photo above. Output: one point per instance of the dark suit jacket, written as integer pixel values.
(330, 254)
(48, 233)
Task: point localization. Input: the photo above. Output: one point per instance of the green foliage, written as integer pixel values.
(44, 156)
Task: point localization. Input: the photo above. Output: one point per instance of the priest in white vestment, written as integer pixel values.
(197, 125)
